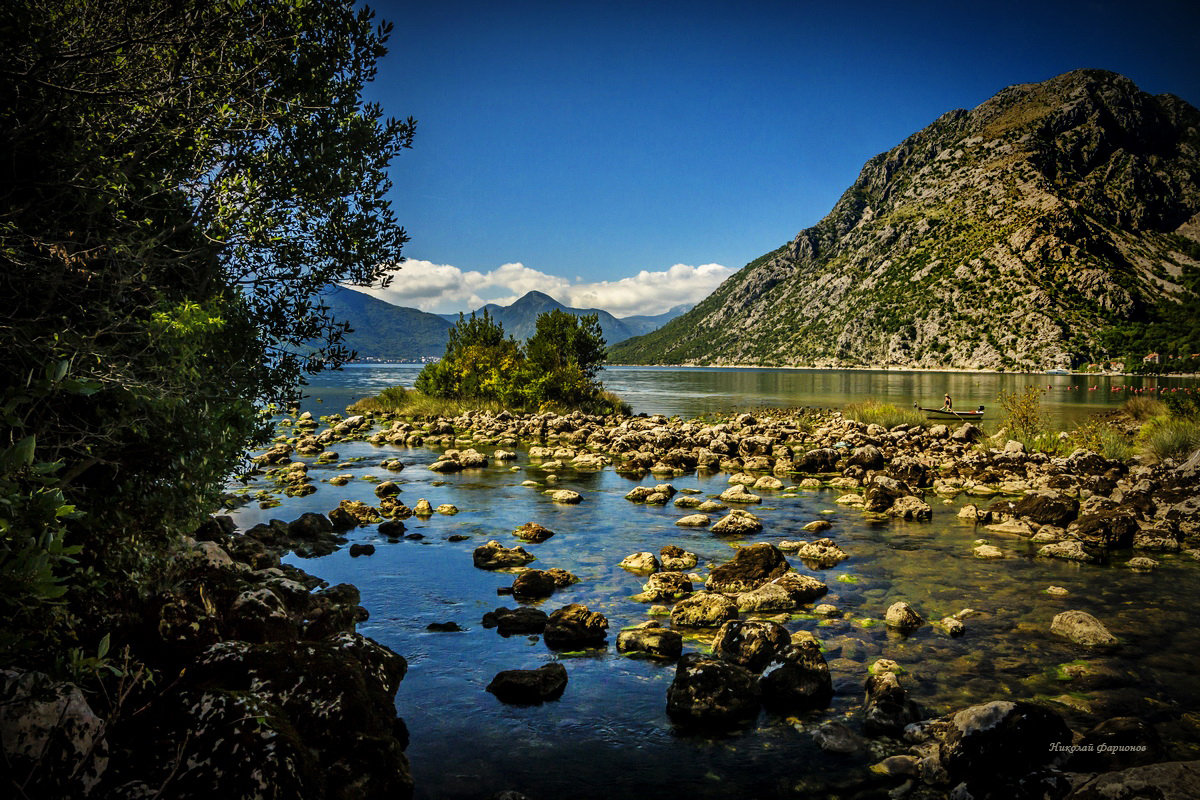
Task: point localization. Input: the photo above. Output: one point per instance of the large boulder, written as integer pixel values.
(1172, 780)
(651, 640)
(52, 741)
(751, 567)
(750, 643)
(822, 460)
(665, 586)
(575, 627)
(1047, 508)
(1105, 529)
(887, 709)
(788, 591)
(494, 555)
(883, 491)
(868, 457)
(797, 678)
(529, 686)
(703, 610)
(737, 523)
(708, 691)
(901, 616)
(532, 532)
(533, 584)
(1001, 739)
(1083, 629)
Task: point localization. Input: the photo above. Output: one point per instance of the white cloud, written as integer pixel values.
(443, 288)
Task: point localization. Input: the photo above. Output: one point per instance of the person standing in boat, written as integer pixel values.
(948, 405)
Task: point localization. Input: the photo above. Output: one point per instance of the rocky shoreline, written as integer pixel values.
(1081, 507)
(249, 629)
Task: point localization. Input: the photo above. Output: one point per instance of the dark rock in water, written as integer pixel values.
(1105, 529)
(1001, 738)
(750, 643)
(416, 537)
(575, 627)
(910, 471)
(494, 555)
(1116, 743)
(277, 533)
(510, 621)
(887, 709)
(867, 457)
(529, 686)
(333, 611)
(838, 737)
(707, 691)
(457, 537)
(532, 532)
(392, 529)
(821, 460)
(533, 584)
(444, 627)
(797, 679)
(751, 567)
(310, 526)
(1172, 780)
(357, 550)
(653, 641)
(883, 492)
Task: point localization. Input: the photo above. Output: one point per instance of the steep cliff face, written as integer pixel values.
(1009, 236)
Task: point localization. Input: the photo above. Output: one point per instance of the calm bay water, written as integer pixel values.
(693, 391)
(609, 736)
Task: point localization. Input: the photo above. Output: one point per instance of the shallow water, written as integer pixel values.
(609, 736)
(694, 391)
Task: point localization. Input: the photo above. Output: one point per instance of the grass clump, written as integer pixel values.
(411, 403)
(1100, 437)
(1170, 437)
(1025, 422)
(885, 414)
(1144, 408)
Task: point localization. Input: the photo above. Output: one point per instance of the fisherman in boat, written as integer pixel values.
(948, 405)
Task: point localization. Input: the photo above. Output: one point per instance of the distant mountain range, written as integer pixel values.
(1055, 224)
(388, 332)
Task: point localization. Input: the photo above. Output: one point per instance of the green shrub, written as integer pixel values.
(1098, 436)
(1143, 408)
(1024, 420)
(885, 414)
(1170, 437)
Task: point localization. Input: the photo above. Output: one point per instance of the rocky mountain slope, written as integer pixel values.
(1012, 236)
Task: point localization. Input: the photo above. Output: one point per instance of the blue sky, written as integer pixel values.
(630, 155)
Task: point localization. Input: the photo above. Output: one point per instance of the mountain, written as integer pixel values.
(645, 323)
(396, 333)
(520, 318)
(1053, 224)
(385, 331)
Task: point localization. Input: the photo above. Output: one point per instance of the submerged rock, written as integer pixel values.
(494, 555)
(1082, 628)
(751, 567)
(575, 627)
(530, 686)
(651, 640)
(510, 621)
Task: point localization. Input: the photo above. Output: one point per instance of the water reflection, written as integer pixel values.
(694, 391)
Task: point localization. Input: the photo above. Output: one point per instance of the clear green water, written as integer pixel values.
(609, 736)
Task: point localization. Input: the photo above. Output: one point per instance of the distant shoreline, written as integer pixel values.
(936, 370)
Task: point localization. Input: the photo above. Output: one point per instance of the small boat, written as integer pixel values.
(966, 416)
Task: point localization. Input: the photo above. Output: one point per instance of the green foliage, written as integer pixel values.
(1183, 404)
(1097, 435)
(1170, 437)
(885, 414)
(1024, 420)
(180, 183)
(556, 369)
